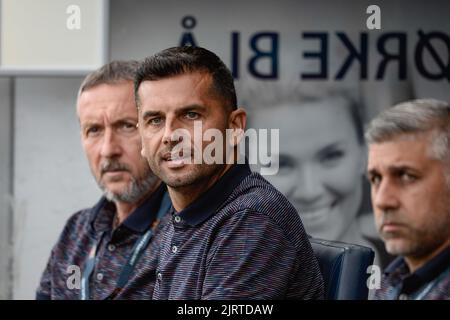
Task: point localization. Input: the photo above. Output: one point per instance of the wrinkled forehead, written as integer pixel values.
(179, 83)
(112, 101)
(424, 143)
(172, 94)
(406, 150)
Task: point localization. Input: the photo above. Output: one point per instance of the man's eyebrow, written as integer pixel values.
(401, 168)
(88, 124)
(191, 107)
(393, 169)
(124, 120)
(148, 114)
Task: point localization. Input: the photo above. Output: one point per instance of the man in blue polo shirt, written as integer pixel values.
(232, 234)
(108, 251)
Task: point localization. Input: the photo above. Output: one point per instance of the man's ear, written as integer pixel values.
(237, 122)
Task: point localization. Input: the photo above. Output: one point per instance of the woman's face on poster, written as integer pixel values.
(320, 161)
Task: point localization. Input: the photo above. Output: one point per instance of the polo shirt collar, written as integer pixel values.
(138, 221)
(210, 201)
(423, 275)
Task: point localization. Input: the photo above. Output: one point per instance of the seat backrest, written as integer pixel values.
(344, 268)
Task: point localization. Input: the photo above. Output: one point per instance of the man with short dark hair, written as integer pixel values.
(108, 251)
(232, 234)
(409, 171)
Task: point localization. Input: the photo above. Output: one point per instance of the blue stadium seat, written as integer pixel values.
(344, 268)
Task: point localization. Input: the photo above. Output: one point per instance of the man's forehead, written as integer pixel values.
(111, 111)
(167, 98)
(111, 100)
(182, 83)
(399, 153)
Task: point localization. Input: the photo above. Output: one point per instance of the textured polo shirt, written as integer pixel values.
(429, 282)
(80, 234)
(241, 239)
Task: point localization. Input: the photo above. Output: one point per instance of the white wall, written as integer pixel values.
(52, 179)
(5, 186)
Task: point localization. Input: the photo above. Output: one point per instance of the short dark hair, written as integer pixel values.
(188, 59)
(111, 73)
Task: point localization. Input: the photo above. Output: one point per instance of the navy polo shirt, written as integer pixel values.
(82, 231)
(241, 239)
(429, 282)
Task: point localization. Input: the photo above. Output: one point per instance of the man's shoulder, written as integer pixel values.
(77, 224)
(442, 289)
(257, 194)
(80, 218)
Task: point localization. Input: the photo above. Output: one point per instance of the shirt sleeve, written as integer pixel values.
(250, 258)
(45, 288)
(43, 292)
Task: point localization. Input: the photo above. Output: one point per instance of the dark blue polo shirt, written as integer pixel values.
(80, 234)
(429, 282)
(241, 239)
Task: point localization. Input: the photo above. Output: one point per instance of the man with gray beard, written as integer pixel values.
(95, 256)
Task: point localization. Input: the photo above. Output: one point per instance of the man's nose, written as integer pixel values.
(171, 134)
(110, 145)
(385, 196)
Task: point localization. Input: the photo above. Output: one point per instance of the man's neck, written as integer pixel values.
(183, 196)
(415, 263)
(125, 209)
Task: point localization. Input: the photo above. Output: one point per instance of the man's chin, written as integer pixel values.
(398, 247)
(188, 175)
(175, 182)
(179, 179)
(115, 189)
(120, 196)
